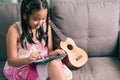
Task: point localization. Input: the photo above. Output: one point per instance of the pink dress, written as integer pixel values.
(31, 72)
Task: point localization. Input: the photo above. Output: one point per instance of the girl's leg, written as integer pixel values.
(55, 71)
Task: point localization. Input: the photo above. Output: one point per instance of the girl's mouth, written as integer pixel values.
(36, 26)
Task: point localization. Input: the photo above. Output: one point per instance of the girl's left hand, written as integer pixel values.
(57, 51)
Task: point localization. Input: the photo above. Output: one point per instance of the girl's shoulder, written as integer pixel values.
(13, 30)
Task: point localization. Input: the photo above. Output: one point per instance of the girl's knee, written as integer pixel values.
(55, 63)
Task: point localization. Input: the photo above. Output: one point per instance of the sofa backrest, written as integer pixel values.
(92, 24)
(9, 13)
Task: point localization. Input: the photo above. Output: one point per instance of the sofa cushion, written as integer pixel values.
(92, 24)
(99, 68)
(9, 13)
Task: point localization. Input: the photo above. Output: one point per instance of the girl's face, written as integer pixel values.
(38, 18)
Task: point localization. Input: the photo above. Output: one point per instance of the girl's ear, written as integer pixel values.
(24, 16)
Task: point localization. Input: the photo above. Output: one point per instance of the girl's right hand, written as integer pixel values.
(34, 56)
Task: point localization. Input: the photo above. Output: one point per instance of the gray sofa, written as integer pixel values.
(92, 24)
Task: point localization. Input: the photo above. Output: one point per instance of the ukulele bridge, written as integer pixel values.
(79, 57)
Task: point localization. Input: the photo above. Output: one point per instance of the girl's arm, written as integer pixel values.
(50, 44)
(12, 38)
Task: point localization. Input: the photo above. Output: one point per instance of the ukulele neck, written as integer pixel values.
(57, 31)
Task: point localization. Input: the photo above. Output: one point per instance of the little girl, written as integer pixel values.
(29, 40)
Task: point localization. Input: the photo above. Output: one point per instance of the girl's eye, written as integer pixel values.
(43, 18)
(35, 19)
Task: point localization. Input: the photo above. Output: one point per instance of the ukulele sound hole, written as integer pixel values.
(70, 47)
(79, 57)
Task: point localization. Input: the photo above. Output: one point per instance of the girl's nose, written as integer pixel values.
(41, 22)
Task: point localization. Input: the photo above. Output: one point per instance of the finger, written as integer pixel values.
(61, 52)
(39, 55)
(39, 52)
(36, 56)
(32, 60)
(58, 51)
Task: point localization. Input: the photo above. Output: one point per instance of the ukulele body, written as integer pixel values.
(76, 57)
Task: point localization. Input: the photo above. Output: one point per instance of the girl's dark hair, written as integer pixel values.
(28, 7)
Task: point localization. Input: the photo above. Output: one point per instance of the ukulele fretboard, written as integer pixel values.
(58, 32)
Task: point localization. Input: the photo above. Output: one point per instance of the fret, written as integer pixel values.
(57, 31)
